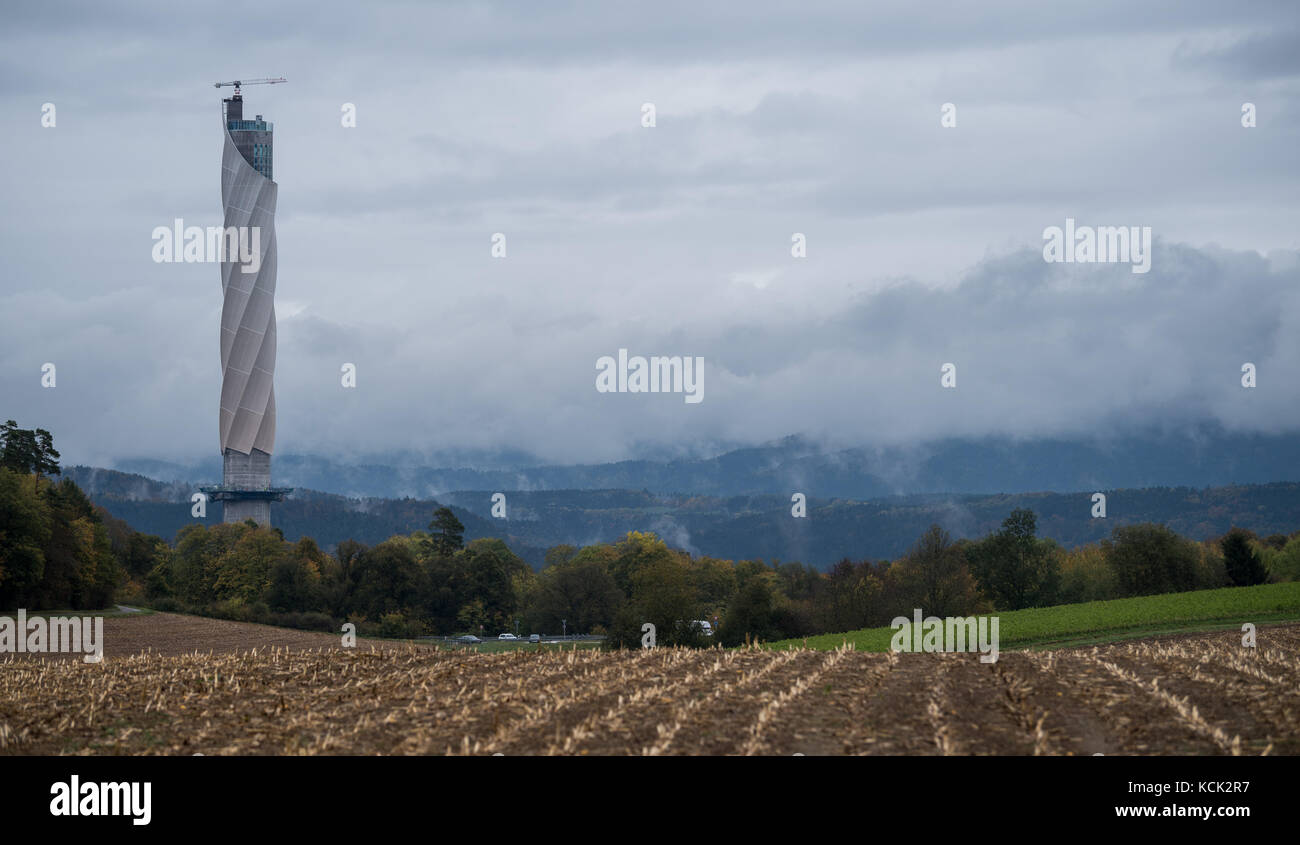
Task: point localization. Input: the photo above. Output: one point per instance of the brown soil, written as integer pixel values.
(171, 634)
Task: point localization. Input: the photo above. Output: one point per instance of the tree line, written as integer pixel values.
(58, 550)
(432, 582)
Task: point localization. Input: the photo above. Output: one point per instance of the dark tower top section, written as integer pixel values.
(252, 137)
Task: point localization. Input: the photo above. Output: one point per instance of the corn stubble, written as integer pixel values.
(1192, 694)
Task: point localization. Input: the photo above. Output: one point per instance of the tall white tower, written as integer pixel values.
(247, 417)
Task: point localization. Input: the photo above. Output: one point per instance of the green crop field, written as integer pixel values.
(1105, 621)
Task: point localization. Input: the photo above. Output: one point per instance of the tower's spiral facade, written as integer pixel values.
(247, 417)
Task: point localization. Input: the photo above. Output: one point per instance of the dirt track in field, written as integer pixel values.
(171, 634)
(1187, 694)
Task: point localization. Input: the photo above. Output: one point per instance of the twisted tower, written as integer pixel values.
(247, 417)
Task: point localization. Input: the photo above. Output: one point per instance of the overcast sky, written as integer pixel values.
(924, 243)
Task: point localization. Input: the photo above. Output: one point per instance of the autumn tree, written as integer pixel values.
(749, 616)
(26, 450)
(1013, 567)
(386, 579)
(1243, 563)
(1148, 558)
(637, 550)
(26, 525)
(581, 592)
(446, 533)
(243, 572)
(661, 595)
(935, 576)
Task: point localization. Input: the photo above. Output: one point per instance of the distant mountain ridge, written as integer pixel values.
(735, 527)
(1200, 457)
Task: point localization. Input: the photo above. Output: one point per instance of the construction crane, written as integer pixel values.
(238, 83)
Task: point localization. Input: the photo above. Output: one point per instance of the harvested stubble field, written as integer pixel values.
(1189, 694)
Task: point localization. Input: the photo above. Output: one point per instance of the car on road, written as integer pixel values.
(507, 637)
(468, 639)
(697, 627)
(534, 638)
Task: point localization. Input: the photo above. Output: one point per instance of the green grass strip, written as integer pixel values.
(1106, 621)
